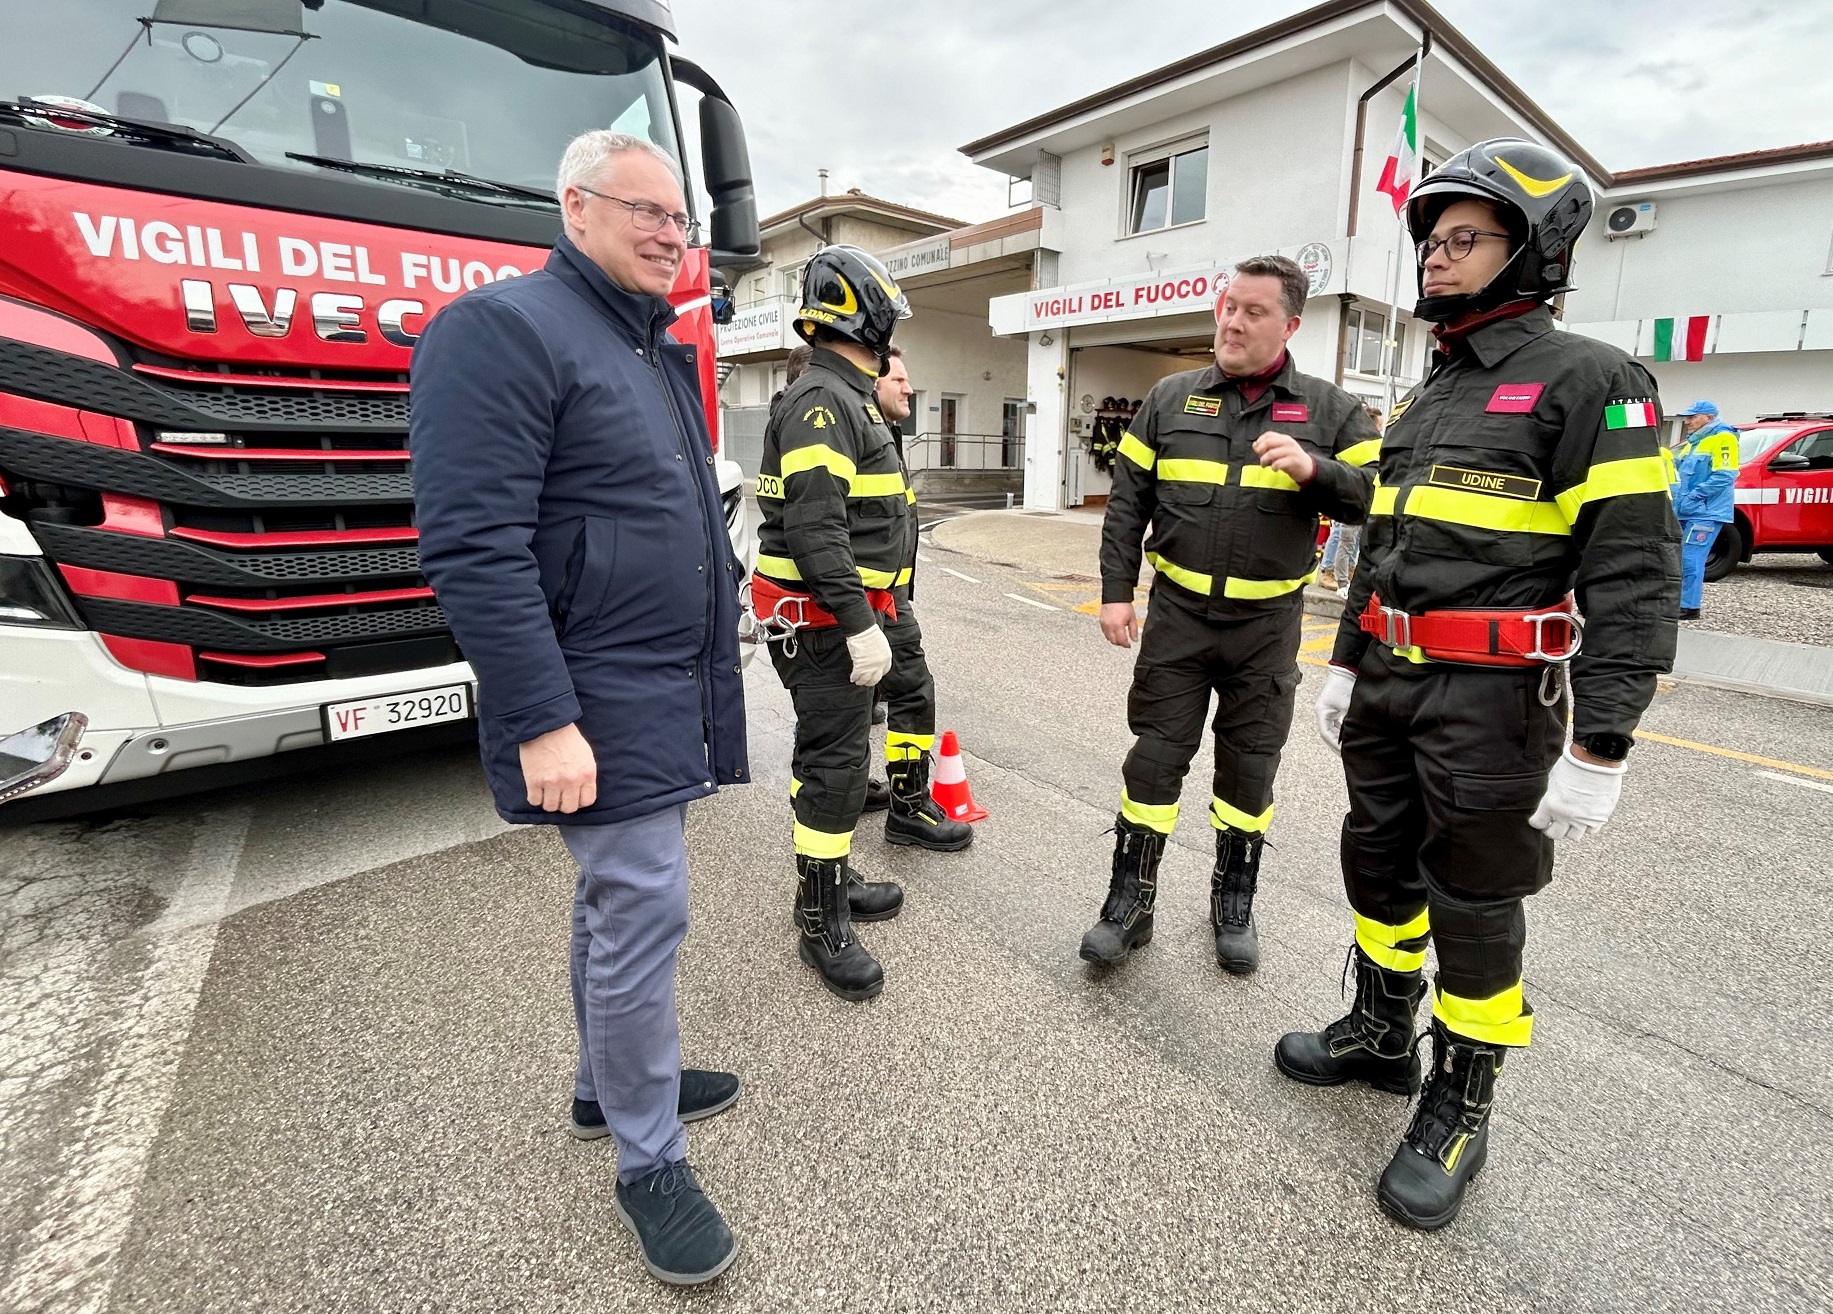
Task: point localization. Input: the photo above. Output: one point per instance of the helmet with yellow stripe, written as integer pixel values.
(1544, 200)
(848, 291)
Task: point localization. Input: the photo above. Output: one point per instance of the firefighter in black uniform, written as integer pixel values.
(1522, 479)
(1230, 467)
(835, 556)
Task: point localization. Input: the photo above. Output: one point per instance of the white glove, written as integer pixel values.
(871, 654)
(1580, 797)
(1333, 705)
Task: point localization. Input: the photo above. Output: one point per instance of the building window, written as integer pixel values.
(1363, 331)
(1168, 191)
(1011, 432)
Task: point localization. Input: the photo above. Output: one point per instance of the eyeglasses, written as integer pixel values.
(1457, 246)
(652, 218)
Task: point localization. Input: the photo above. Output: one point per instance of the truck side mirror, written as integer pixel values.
(727, 163)
(1785, 462)
(38, 755)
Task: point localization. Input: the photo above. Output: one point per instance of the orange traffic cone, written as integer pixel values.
(949, 789)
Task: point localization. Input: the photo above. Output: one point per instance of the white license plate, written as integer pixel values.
(377, 716)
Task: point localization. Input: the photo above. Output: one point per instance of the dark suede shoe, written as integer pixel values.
(703, 1094)
(684, 1240)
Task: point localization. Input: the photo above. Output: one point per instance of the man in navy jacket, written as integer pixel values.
(571, 525)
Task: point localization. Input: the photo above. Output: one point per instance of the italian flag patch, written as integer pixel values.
(1637, 414)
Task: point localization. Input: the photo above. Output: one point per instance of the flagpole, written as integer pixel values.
(1393, 338)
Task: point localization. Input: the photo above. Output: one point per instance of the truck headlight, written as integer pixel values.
(29, 595)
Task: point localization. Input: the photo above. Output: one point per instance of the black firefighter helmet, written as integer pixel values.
(848, 291)
(1545, 204)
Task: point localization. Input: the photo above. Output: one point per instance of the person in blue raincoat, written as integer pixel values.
(1706, 476)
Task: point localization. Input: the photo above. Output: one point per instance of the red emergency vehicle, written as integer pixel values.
(223, 224)
(1784, 491)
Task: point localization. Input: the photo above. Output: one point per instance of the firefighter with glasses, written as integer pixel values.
(1521, 529)
(1227, 467)
(832, 588)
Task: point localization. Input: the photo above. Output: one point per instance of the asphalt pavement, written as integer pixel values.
(306, 1045)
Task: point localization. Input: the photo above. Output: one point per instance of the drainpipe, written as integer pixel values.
(1355, 166)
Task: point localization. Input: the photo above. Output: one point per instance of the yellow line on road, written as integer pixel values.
(1735, 755)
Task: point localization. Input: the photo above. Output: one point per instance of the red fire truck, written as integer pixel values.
(223, 224)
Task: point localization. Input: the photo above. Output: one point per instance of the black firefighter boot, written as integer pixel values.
(1132, 891)
(872, 901)
(1448, 1140)
(1231, 900)
(1374, 1043)
(915, 818)
(826, 942)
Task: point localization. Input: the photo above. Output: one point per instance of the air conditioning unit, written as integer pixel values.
(1630, 220)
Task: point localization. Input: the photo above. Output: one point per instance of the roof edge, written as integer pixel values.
(1711, 164)
(851, 199)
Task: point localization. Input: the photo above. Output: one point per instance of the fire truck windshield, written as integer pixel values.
(493, 89)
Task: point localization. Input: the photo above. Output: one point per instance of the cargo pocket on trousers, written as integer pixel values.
(1513, 793)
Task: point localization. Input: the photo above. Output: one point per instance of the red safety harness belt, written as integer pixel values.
(1478, 637)
(800, 610)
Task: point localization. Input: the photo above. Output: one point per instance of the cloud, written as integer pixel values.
(884, 95)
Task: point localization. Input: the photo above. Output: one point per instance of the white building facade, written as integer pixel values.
(1274, 143)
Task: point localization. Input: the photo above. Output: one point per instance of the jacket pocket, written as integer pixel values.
(589, 571)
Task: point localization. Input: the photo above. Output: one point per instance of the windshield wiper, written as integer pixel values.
(152, 134)
(446, 177)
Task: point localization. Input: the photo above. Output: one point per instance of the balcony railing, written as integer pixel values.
(966, 452)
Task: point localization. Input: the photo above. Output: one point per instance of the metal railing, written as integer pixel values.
(967, 453)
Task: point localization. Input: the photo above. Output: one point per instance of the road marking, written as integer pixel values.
(958, 575)
(1032, 602)
(921, 557)
(1796, 780)
(1735, 755)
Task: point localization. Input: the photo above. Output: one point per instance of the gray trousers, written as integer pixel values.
(629, 918)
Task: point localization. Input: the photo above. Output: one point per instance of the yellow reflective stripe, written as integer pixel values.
(1190, 470)
(1361, 453)
(1136, 451)
(1381, 942)
(814, 843)
(910, 495)
(878, 485)
(1265, 476)
(795, 787)
(1669, 465)
(1264, 588)
(770, 486)
(1195, 581)
(1383, 505)
(1502, 1019)
(1226, 816)
(817, 456)
(1415, 655)
(1161, 817)
(1638, 474)
(1456, 506)
(903, 747)
(785, 568)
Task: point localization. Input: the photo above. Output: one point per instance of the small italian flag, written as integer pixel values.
(1630, 415)
(1681, 338)
(1402, 165)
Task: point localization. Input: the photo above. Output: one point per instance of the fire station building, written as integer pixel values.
(1718, 273)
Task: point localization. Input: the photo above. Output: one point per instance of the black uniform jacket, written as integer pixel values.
(1227, 532)
(838, 513)
(1528, 465)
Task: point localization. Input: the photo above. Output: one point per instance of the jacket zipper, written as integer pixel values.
(688, 457)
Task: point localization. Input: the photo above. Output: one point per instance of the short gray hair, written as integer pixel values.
(588, 154)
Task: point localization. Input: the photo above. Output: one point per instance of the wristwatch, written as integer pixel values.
(1612, 748)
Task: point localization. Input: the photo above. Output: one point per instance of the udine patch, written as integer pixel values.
(1197, 404)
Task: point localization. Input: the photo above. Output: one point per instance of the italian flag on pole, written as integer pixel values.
(1681, 338)
(1402, 165)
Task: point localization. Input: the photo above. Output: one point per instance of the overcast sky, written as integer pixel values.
(884, 94)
